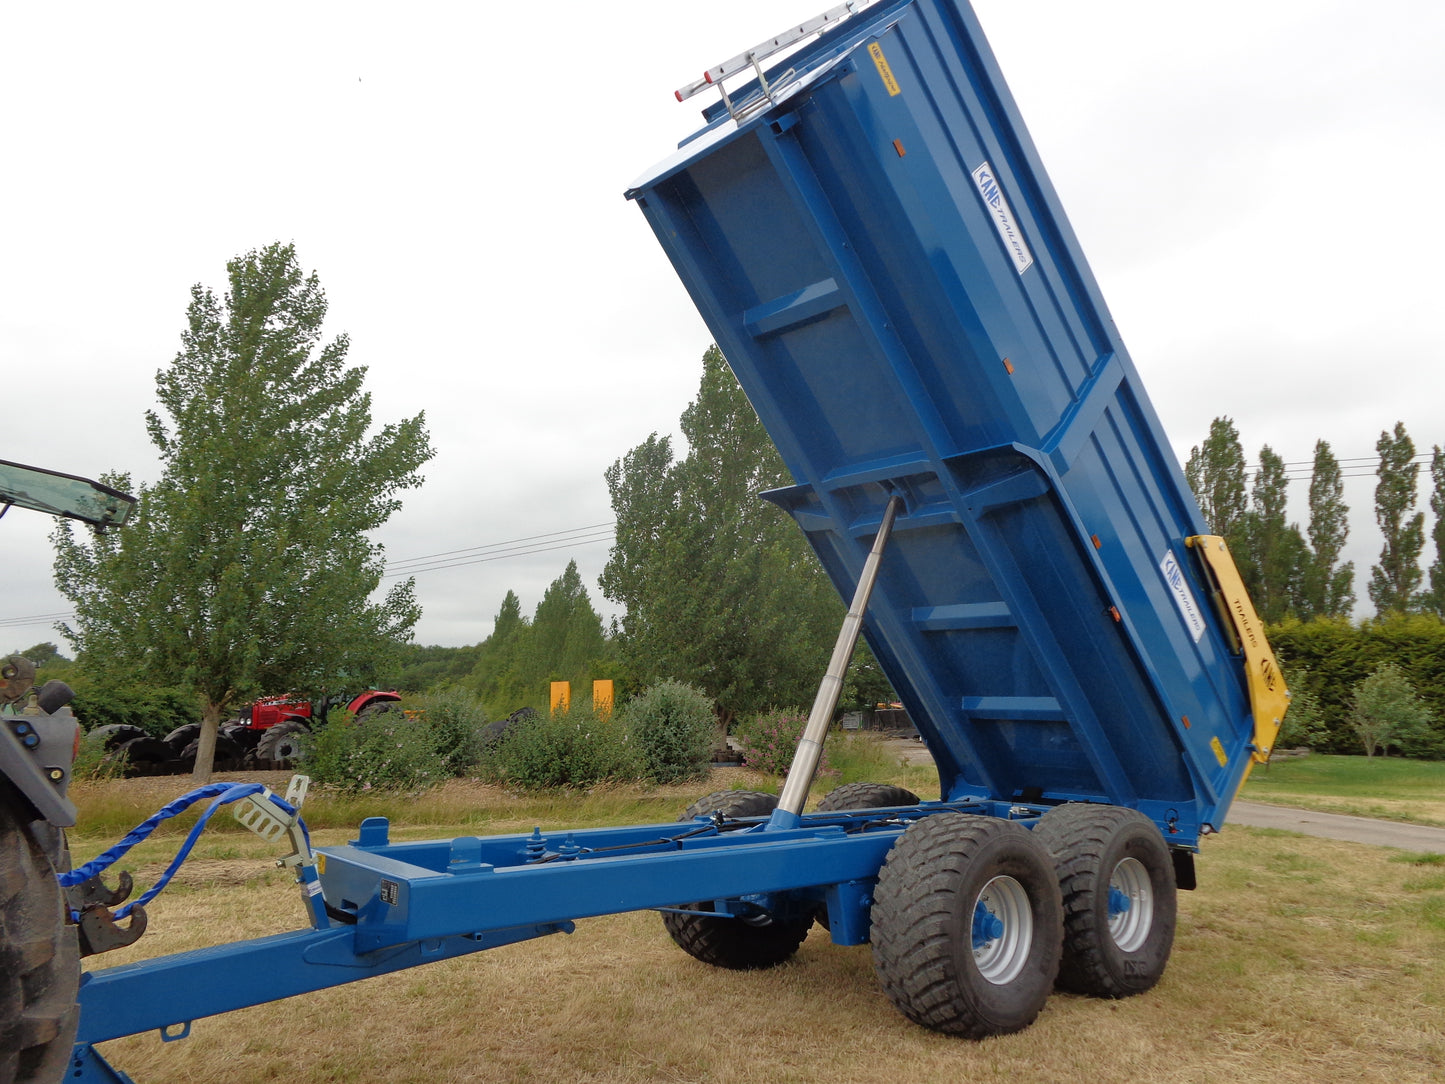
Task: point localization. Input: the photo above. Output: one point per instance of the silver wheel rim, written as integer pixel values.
(1131, 904)
(1003, 930)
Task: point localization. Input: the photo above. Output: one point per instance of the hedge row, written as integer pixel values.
(1325, 660)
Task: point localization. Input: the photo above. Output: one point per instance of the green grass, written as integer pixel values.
(1391, 788)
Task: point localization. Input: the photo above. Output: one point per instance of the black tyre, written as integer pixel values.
(228, 754)
(114, 735)
(1120, 899)
(283, 743)
(39, 960)
(378, 707)
(244, 736)
(967, 925)
(866, 796)
(181, 737)
(141, 756)
(746, 943)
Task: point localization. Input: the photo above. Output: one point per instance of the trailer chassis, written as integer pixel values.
(380, 906)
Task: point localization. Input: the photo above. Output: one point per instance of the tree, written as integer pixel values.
(720, 588)
(1215, 471)
(247, 568)
(1435, 597)
(1328, 590)
(567, 639)
(1277, 549)
(1396, 579)
(497, 676)
(563, 641)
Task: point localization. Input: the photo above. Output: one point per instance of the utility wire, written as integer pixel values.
(470, 551)
(526, 551)
(547, 542)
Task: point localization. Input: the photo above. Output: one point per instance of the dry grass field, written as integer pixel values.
(1297, 960)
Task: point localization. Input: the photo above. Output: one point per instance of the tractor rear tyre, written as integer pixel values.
(39, 959)
(866, 796)
(242, 734)
(283, 743)
(1120, 899)
(747, 943)
(967, 925)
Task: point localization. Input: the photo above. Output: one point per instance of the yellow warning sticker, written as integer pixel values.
(1218, 747)
(885, 72)
(320, 863)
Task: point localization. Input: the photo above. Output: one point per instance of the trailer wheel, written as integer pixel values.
(1120, 899)
(967, 925)
(866, 796)
(283, 743)
(39, 960)
(747, 943)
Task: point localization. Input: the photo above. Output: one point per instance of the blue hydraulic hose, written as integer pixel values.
(222, 793)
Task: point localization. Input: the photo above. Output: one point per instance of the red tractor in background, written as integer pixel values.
(269, 731)
(266, 734)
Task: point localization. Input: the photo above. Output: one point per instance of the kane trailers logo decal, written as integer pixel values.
(1183, 597)
(1003, 217)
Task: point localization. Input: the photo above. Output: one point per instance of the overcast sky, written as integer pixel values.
(1257, 186)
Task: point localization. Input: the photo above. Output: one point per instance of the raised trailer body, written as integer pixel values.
(869, 234)
(883, 261)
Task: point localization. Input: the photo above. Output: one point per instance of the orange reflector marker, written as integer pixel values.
(898, 146)
(1008, 365)
(1185, 720)
(1115, 611)
(1095, 539)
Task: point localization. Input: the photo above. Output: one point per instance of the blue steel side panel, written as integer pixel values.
(842, 253)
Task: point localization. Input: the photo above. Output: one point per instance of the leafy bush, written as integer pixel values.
(1386, 712)
(672, 725)
(387, 751)
(455, 720)
(91, 763)
(1304, 722)
(768, 741)
(566, 749)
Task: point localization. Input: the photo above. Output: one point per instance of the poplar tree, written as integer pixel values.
(1329, 589)
(1396, 579)
(1435, 597)
(247, 568)
(1277, 549)
(1216, 473)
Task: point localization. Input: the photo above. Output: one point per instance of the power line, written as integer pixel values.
(36, 619)
(476, 550)
(546, 542)
(1363, 466)
(525, 546)
(526, 551)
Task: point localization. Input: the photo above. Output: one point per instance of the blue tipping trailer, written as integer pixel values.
(869, 234)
